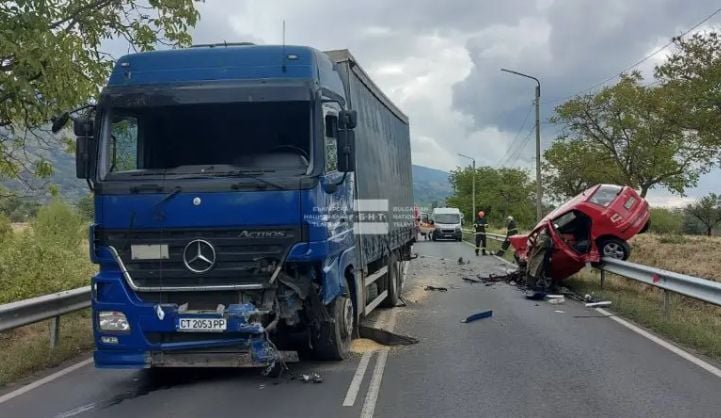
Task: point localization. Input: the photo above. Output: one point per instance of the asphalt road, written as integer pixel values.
(529, 359)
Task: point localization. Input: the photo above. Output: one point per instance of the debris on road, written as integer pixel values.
(556, 299)
(315, 377)
(477, 316)
(364, 345)
(597, 304)
(438, 288)
(535, 295)
(468, 279)
(305, 378)
(559, 312)
(460, 260)
(385, 337)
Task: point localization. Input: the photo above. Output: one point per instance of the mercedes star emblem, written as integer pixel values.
(199, 256)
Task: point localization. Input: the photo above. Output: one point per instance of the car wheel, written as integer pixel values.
(645, 228)
(614, 248)
(433, 237)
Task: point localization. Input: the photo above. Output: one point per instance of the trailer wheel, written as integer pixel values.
(393, 278)
(334, 339)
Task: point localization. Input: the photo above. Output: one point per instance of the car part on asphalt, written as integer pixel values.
(477, 316)
(438, 288)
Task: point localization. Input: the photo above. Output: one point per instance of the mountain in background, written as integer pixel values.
(429, 185)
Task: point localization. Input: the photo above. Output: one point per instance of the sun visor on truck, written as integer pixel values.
(196, 93)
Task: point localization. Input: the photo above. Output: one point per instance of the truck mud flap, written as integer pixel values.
(214, 359)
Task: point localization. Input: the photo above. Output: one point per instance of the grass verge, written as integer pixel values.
(26, 350)
(691, 323)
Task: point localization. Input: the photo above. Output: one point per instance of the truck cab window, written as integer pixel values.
(331, 143)
(123, 144)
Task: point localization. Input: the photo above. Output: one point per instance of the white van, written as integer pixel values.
(447, 224)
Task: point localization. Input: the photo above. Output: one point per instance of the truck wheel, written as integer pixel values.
(614, 248)
(394, 286)
(333, 340)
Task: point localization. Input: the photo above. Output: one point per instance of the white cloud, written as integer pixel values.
(439, 61)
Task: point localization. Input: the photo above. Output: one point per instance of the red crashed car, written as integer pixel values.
(597, 223)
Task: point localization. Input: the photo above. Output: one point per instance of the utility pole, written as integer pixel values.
(473, 182)
(539, 186)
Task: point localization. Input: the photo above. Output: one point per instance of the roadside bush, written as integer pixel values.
(666, 221)
(58, 223)
(49, 257)
(6, 229)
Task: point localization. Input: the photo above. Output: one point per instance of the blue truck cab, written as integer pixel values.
(248, 199)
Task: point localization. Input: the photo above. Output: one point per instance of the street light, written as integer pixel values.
(539, 188)
(473, 193)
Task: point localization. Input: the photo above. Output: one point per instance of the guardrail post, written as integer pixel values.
(54, 332)
(666, 304)
(603, 277)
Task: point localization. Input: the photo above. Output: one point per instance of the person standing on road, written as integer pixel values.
(511, 229)
(480, 228)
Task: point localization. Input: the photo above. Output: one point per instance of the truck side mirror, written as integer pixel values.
(348, 119)
(84, 146)
(346, 150)
(83, 126)
(82, 156)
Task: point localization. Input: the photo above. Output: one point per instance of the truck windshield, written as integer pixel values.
(185, 139)
(447, 218)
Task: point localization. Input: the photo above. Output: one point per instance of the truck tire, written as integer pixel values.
(334, 339)
(393, 278)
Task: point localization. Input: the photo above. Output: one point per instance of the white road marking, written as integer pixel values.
(360, 372)
(27, 388)
(388, 322)
(670, 347)
(369, 405)
(77, 411)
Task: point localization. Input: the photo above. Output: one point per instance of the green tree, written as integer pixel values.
(499, 192)
(571, 167)
(693, 75)
(707, 211)
(51, 60)
(630, 131)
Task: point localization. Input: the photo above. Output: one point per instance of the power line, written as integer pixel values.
(515, 142)
(639, 62)
(519, 150)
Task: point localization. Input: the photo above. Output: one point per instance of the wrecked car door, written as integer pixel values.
(570, 235)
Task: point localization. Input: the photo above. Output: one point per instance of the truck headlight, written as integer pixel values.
(113, 321)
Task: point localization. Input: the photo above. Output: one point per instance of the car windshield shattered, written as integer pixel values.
(187, 139)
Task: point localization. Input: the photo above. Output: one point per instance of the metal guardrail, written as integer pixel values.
(694, 287)
(52, 306)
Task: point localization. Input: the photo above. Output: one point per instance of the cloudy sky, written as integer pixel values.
(440, 60)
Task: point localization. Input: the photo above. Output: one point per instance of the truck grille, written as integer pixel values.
(243, 257)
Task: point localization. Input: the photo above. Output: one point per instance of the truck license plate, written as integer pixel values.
(202, 324)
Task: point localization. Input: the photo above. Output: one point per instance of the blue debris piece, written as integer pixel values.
(477, 316)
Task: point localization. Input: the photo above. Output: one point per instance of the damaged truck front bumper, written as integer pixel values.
(166, 335)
